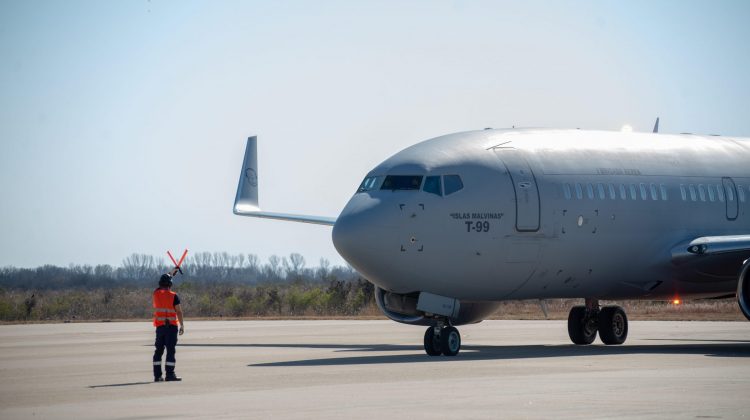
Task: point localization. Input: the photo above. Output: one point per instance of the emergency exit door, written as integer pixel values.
(525, 187)
(730, 191)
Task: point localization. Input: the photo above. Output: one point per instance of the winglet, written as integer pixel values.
(246, 200)
(247, 188)
(656, 125)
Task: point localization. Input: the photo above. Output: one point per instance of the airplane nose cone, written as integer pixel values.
(358, 232)
(347, 234)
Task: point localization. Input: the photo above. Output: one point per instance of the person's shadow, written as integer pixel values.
(125, 384)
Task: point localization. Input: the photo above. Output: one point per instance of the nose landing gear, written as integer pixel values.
(442, 339)
(585, 321)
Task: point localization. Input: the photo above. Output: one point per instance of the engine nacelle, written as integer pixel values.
(743, 289)
(403, 308)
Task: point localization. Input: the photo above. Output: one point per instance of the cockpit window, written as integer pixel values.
(402, 182)
(370, 183)
(432, 185)
(453, 183)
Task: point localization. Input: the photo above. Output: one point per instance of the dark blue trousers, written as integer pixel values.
(166, 336)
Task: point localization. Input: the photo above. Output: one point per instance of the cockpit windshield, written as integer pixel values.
(452, 184)
(402, 182)
(370, 183)
(434, 184)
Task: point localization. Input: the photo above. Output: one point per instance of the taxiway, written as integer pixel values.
(374, 369)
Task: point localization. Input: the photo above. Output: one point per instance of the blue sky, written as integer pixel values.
(122, 124)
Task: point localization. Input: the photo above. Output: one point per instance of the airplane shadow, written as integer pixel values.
(126, 384)
(482, 352)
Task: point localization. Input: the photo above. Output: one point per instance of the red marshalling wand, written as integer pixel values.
(178, 264)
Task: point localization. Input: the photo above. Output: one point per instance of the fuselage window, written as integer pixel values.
(623, 192)
(370, 183)
(579, 191)
(654, 194)
(402, 182)
(633, 194)
(741, 193)
(566, 189)
(452, 183)
(432, 185)
(612, 193)
(702, 192)
(600, 188)
(663, 192)
(720, 192)
(683, 192)
(644, 194)
(590, 191)
(692, 192)
(730, 194)
(711, 193)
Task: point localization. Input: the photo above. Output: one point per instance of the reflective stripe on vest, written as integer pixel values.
(164, 310)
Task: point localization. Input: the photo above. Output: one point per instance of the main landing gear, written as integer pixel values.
(442, 339)
(585, 321)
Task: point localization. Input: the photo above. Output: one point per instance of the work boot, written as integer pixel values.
(173, 377)
(158, 379)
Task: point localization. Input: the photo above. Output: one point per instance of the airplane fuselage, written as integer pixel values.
(549, 214)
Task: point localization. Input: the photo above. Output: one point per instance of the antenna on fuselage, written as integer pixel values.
(656, 126)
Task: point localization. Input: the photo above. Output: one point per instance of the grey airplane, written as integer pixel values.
(450, 227)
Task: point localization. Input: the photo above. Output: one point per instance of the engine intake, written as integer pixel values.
(743, 290)
(403, 308)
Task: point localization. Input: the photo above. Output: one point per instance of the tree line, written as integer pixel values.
(200, 268)
(215, 285)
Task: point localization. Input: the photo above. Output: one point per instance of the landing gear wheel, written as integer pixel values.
(450, 341)
(613, 325)
(432, 342)
(582, 330)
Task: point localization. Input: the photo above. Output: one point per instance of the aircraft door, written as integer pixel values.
(525, 187)
(730, 192)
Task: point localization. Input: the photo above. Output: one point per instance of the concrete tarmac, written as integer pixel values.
(374, 369)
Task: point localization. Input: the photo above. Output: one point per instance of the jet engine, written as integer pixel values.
(743, 289)
(403, 308)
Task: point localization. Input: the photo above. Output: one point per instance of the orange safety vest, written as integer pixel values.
(164, 311)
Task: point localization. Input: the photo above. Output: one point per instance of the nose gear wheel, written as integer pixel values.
(444, 340)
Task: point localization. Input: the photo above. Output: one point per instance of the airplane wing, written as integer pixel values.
(246, 200)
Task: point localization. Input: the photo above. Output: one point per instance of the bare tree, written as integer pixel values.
(294, 267)
(324, 268)
(253, 262)
(273, 268)
(139, 266)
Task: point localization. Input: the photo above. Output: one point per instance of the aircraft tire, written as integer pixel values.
(431, 343)
(613, 325)
(450, 341)
(580, 330)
